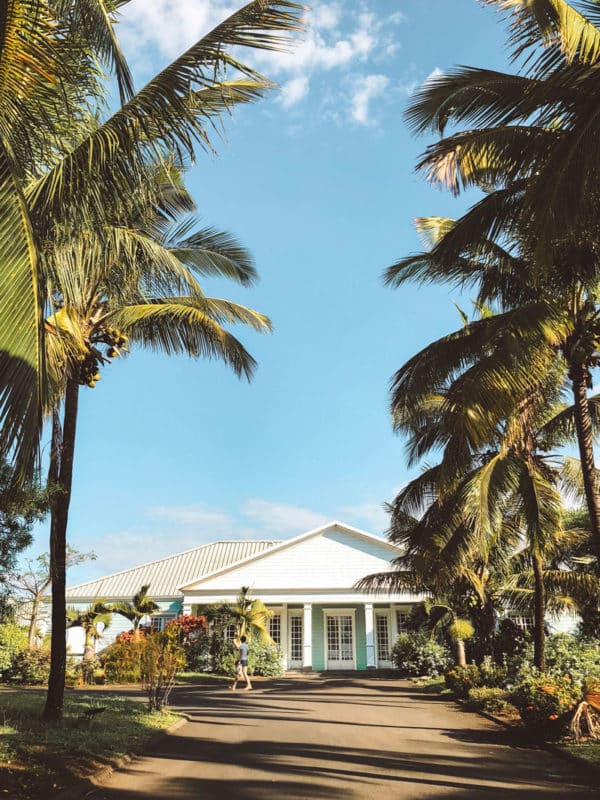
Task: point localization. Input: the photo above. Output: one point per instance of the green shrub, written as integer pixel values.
(487, 698)
(462, 679)
(265, 659)
(567, 655)
(544, 703)
(13, 639)
(415, 654)
(30, 667)
(223, 656)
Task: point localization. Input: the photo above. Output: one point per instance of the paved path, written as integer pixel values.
(334, 739)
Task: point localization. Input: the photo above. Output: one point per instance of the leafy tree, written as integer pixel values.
(32, 584)
(20, 508)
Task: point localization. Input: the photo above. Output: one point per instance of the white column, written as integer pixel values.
(187, 606)
(307, 634)
(370, 631)
(285, 643)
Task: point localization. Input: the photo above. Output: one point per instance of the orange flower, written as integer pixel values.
(553, 716)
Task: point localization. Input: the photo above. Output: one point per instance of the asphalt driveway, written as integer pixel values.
(334, 738)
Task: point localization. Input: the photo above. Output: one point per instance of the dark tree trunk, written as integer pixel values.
(539, 634)
(61, 464)
(585, 439)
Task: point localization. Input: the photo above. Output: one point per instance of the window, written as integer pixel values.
(383, 639)
(401, 620)
(296, 638)
(275, 629)
(525, 623)
(159, 621)
(230, 632)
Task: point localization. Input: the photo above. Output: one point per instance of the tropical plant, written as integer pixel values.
(65, 206)
(90, 619)
(140, 606)
(526, 136)
(59, 164)
(251, 617)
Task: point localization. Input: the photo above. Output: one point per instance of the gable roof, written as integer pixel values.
(330, 527)
(165, 574)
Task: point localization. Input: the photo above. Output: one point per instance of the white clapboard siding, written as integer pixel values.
(334, 559)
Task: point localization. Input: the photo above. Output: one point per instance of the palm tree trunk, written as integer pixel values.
(539, 635)
(62, 463)
(461, 658)
(583, 426)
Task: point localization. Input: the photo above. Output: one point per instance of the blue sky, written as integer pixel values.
(318, 182)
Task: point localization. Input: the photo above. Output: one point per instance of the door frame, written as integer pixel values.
(294, 612)
(340, 612)
(386, 613)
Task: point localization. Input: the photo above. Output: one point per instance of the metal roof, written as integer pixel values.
(166, 574)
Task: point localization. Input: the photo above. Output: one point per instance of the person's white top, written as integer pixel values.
(243, 651)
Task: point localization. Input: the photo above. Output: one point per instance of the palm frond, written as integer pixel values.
(23, 383)
(187, 325)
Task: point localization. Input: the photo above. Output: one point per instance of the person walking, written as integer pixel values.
(241, 667)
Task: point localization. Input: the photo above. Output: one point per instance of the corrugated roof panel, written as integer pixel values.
(166, 574)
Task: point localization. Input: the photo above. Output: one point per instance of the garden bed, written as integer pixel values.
(38, 759)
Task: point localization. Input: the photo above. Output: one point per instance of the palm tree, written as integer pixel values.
(484, 397)
(530, 135)
(140, 606)
(139, 287)
(89, 619)
(555, 315)
(65, 180)
(251, 617)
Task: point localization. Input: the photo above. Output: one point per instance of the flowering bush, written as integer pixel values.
(460, 680)
(544, 703)
(122, 659)
(416, 654)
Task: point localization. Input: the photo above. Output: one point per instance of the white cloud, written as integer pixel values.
(338, 36)
(293, 91)
(366, 90)
(199, 517)
(281, 518)
(372, 516)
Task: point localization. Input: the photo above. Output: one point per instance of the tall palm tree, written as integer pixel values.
(60, 170)
(140, 606)
(117, 287)
(468, 395)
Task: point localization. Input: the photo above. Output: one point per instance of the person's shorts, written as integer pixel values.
(244, 663)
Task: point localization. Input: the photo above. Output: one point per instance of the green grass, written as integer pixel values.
(587, 752)
(37, 759)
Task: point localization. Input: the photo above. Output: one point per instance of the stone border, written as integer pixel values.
(85, 786)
